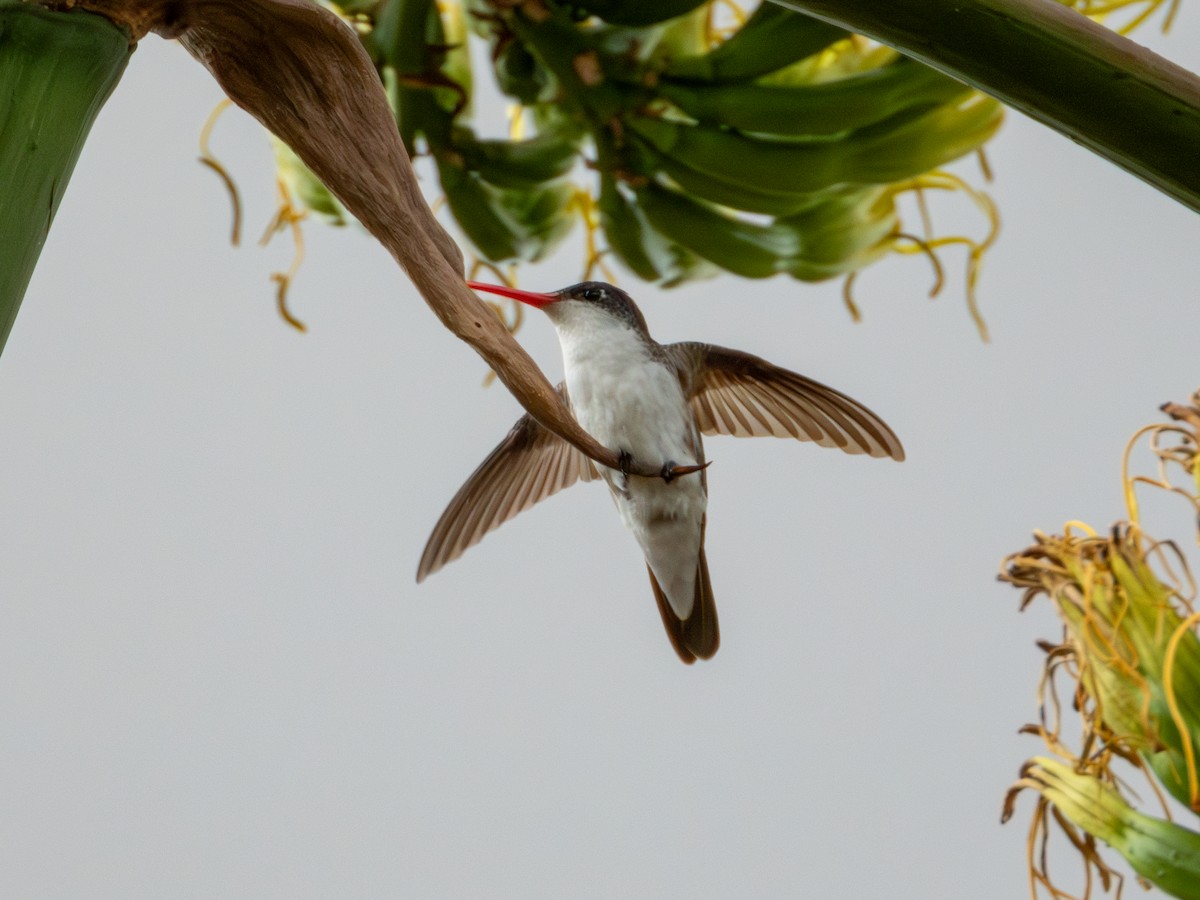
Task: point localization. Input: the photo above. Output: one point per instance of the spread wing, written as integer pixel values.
(742, 395)
(529, 465)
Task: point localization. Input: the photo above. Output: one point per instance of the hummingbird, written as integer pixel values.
(650, 402)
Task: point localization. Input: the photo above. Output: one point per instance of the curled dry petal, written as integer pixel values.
(302, 73)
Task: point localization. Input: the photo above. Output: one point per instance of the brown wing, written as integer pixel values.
(529, 465)
(742, 395)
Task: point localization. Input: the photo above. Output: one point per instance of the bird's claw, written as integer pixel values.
(625, 462)
(670, 471)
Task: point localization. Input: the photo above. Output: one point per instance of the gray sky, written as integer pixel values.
(218, 677)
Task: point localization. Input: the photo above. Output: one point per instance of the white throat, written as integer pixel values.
(596, 342)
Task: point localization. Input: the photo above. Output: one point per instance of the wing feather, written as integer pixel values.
(529, 465)
(742, 395)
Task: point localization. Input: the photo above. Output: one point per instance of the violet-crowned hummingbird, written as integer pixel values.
(650, 402)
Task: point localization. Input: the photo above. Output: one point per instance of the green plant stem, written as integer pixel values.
(56, 71)
(1100, 89)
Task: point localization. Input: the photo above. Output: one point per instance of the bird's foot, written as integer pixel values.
(671, 471)
(625, 462)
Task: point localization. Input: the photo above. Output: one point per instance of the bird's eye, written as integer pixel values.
(593, 294)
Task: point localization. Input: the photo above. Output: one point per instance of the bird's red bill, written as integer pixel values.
(530, 297)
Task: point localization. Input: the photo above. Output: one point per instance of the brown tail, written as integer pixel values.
(698, 636)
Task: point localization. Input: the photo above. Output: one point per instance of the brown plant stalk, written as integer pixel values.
(302, 73)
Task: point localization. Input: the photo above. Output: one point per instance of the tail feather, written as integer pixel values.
(698, 636)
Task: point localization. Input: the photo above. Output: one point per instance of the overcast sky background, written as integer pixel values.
(218, 677)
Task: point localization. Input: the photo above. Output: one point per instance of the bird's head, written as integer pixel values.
(594, 301)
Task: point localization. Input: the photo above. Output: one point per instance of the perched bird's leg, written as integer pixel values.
(670, 471)
(625, 462)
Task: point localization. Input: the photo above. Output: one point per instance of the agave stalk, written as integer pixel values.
(57, 69)
(1097, 87)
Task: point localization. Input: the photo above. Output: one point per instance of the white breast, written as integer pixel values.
(620, 393)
